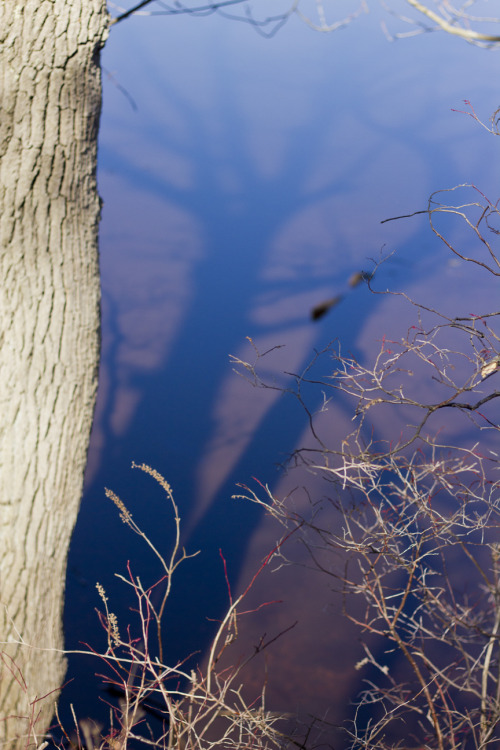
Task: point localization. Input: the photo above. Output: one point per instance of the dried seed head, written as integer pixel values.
(125, 514)
(113, 628)
(155, 474)
(102, 593)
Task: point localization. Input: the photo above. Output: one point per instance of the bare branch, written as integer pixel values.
(413, 547)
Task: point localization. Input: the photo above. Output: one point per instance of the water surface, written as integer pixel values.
(247, 186)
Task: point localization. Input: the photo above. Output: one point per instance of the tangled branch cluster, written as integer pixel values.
(414, 549)
(203, 707)
(322, 15)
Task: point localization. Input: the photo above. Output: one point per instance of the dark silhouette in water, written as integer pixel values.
(323, 307)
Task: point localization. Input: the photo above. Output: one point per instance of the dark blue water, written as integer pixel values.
(247, 186)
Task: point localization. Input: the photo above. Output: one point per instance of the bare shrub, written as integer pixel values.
(416, 538)
(200, 706)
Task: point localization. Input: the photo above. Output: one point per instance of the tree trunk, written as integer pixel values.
(49, 331)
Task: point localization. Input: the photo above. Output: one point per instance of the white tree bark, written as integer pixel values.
(50, 90)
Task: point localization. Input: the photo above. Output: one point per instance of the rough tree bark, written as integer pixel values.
(49, 330)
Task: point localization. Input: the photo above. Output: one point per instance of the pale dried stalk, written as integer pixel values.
(203, 708)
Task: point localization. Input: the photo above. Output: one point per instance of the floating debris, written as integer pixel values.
(320, 310)
(359, 277)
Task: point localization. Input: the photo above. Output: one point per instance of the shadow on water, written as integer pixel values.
(173, 422)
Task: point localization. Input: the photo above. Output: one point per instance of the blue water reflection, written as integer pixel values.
(246, 188)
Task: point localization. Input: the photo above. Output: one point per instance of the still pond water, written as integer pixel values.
(246, 185)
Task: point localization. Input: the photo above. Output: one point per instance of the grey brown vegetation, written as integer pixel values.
(413, 551)
(205, 706)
